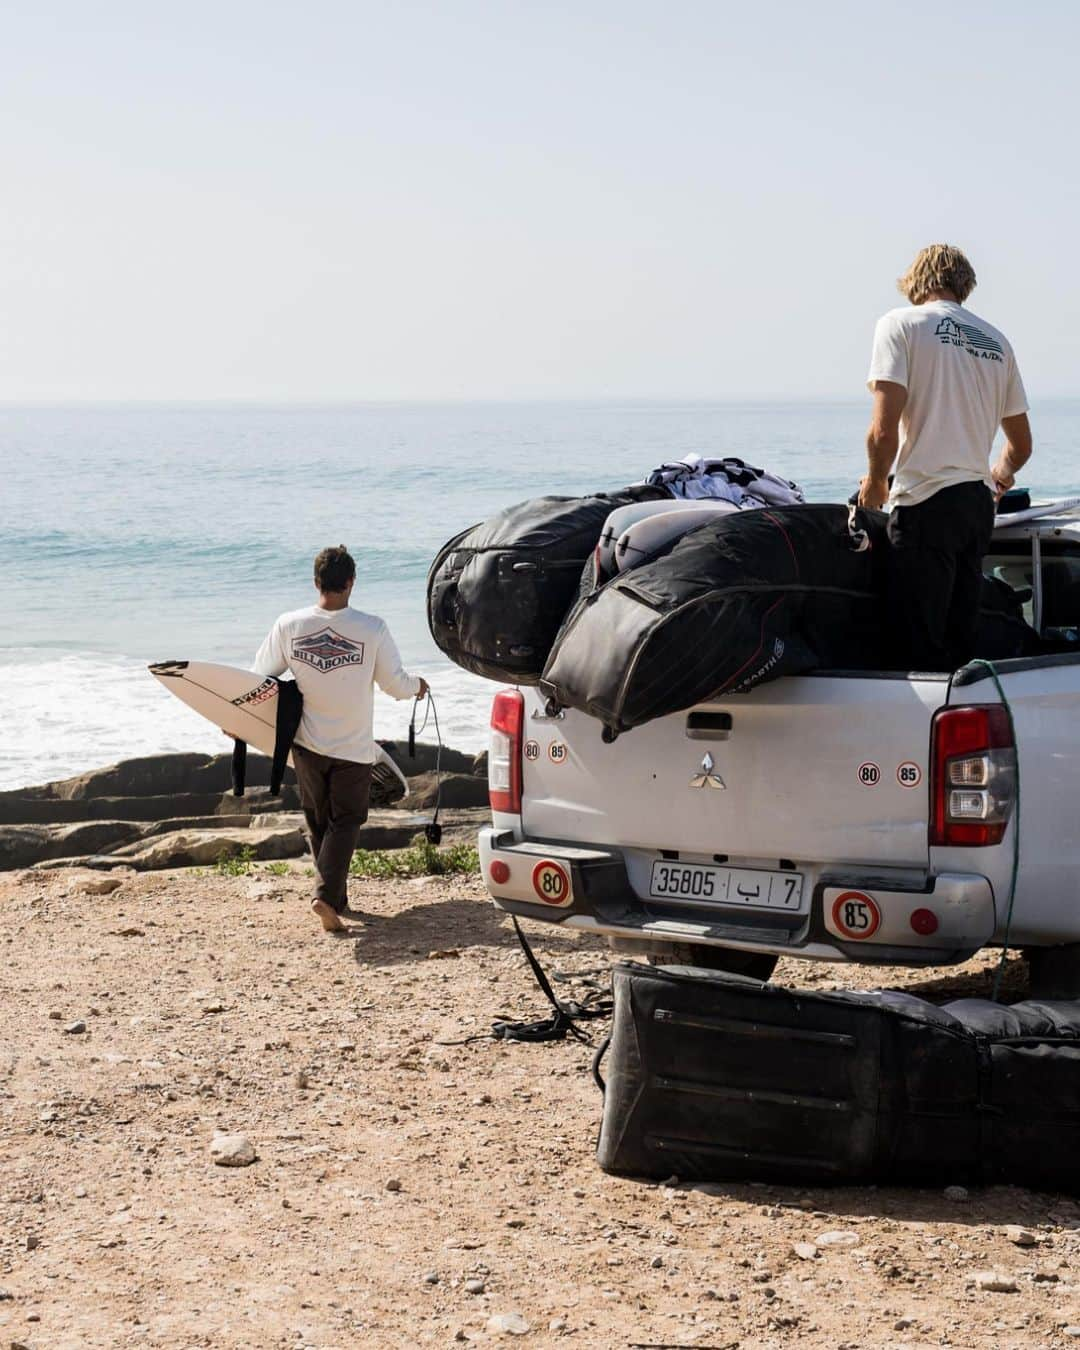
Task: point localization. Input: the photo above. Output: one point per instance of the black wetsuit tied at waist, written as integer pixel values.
(290, 706)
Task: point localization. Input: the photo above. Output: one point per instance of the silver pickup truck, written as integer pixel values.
(883, 817)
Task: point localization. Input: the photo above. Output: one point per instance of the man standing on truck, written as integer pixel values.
(943, 380)
(335, 654)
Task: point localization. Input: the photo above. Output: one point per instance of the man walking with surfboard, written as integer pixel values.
(336, 654)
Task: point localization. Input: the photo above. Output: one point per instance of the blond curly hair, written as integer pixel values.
(939, 267)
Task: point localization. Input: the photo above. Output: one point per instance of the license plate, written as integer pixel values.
(706, 884)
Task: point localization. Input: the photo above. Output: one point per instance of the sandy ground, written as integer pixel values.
(406, 1193)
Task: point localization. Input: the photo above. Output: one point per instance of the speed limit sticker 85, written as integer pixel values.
(551, 883)
(855, 916)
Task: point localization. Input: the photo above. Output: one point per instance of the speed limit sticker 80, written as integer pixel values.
(551, 883)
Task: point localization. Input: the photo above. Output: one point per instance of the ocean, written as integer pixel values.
(143, 533)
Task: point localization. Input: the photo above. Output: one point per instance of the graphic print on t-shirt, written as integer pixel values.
(973, 340)
(327, 650)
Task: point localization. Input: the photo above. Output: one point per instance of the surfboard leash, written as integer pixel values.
(432, 831)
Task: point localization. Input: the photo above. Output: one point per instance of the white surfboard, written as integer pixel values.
(623, 517)
(1058, 508)
(645, 537)
(245, 705)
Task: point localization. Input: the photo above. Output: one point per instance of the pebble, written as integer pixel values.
(508, 1324)
(232, 1150)
(1020, 1237)
(475, 1286)
(101, 885)
(55, 1015)
(657, 1263)
(80, 1192)
(957, 1194)
(1070, 1331)
(432, 1277)
(837, 1238)
(904, 1323)
(393, 1184)
(992, 1282)
(6, 1295)
(805, 1251)
(75, 1028)
(558, 1324)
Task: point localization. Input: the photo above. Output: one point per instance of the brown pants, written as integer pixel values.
(334, 794)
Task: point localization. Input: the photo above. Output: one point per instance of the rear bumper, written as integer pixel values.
(865, 914)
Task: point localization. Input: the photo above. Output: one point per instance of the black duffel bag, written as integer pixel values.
(733, 603)
(718, 1077)
(498, 591)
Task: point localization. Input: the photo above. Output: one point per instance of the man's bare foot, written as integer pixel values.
(329, 919)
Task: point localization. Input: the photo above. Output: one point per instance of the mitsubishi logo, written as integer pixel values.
(706, 778)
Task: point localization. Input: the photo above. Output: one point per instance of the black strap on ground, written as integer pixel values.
(563, 1020)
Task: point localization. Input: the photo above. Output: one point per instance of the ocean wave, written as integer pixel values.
(81, 710)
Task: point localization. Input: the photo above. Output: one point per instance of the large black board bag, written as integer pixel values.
(498, 591)
(747, 598)
(717, 1077)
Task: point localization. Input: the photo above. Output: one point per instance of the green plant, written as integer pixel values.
(277, 869)
(421, 859)
(235, 864)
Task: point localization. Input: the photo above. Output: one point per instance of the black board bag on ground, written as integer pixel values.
(740, 600)
(714, 1077)
(498, 591)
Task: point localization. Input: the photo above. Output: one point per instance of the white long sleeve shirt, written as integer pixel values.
(335, 655)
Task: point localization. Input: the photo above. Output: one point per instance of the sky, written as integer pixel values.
(510, 199)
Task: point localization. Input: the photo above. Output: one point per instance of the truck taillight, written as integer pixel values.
(973, 780)
(504, 755)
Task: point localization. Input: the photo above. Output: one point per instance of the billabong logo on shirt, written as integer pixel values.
(973, 340)
(327, 650)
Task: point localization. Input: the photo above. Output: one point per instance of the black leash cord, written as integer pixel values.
(562, 1022)
(432, 832)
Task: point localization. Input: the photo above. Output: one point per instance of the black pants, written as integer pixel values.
(334, 794)
(935, 575)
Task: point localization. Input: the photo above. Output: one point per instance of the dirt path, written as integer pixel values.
(406, 1193)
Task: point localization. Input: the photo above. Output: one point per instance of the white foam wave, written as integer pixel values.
(65, 714)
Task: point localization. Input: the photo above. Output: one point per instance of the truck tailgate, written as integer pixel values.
(814, 767)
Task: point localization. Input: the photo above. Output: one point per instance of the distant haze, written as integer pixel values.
(520, 200)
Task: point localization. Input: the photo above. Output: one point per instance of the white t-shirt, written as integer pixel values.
(334, 655)
(961, 380)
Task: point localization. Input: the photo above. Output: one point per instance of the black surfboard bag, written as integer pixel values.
(498, 592)
(715, 1077)
(740, 600)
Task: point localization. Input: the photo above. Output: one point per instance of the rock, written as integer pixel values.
(75, 1028)
(836, 1238)
(805, 1251)
(1020, 1237)
(904, 1323)
(55, 1015)
(993, 1282)
(1070, 1331)
(393, 1184)
(232, 1150)
(480, 764)
(6, 1295)
(101, 885)
(657, 1263)
(425, 758)
(474, 1286)
(204, 848)
(558, 1324)
(277, 820)
(457, 789)
(25, 845)
(508, 1324)
(957, 1194)
(432, 1277)
(260, 802)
